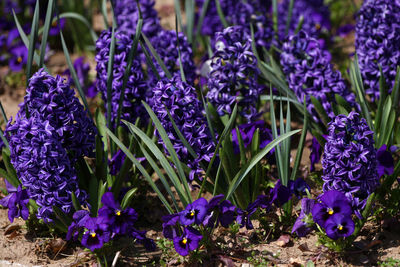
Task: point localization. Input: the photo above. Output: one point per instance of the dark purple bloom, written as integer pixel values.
(378, 43)
(315, 154)
(263, 202)
(96, 234)
(280, 194)
(120, 221)
(310, 73)
(339, 225)
(189, 241)
(315, 14)
(349, 160)
(331, 203)
(18, 57)
(302, 225)
(194, 212)
(247, 132)
(16, 201)
(140, 237)
(344, 30)
(299, 187)
(126, 13)
(233, 77)
(212, 210)
(170, 225)
(227, 213)
(180, 99)
(79, 220)
(385, 161)
(243, 216)
(116, 162)
(136, 89)
(57, 26)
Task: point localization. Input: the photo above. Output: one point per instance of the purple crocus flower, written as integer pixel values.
(331, 203)
(189, 241)
(339, 225)
(315, 154)
(302, 226)
(18, 57)
(119, 220)
(385, 164)
(96, 234)
(194, 212)
(247, 132)
(16, 201)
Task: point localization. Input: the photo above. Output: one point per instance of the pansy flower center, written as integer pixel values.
(330, 211)
(192, 213)
(93, 234)
(184, 241)
(340, 227)
(118, 212)
(19, 59)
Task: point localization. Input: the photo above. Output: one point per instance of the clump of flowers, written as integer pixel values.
(349, 160)
(309, 73)
(136, 89)
(126, 13)
(180, 99)
(314, 13)
(50, 133)
(165, 43)
(111, 223)
(378, 43)
(233, 74)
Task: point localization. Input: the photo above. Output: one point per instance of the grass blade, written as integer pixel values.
(73, 15)
(221, 14)
(110, 76)
(189, 12)
(156, 56)
(46, 30)
(177, 6)
(126, 201)
(201, 19)
(32, 42)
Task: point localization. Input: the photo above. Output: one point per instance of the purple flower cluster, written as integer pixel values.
(50, 132)
(309, 73)
(82, 71)
(165, 43)
(136, 89)
(111, 223)
(349, 161)
(315, 15)
(378, 43)
(242, 13)
(180, 99)
(127, 15)
(233, 77)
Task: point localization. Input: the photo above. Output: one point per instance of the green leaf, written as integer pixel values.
(94, 195)
(320, 110)
(246, 169)
(177, 6)
(102, 189)
(110, 76)
(201, 19)
(221, 14)
(183, 78)
(126, 201)
(12, 174)
(141, 169)
(343, 103)
(32, 42)
(157, 56)
(64, 219)
(189, 12)
(275, 16)
(386, 123)
(47, 23)
(241, 146)
(103, 9)
(289, 17)
(9, 178)
(396, 91)
(79, 17)
(75, 202)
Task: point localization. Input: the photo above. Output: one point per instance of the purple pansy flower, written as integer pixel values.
(302, 227)
(78, 224)
(299, 187)
(212, 208)
(339, 225)
(385, 164)
(189, 241)
(227, 213)
(243, 216)
(280, 194)
(56, 26)
(170, 225)
(19, 57)
(119, 220)
(96, 234)
(331, 203)
(16, 201)
(194, 212)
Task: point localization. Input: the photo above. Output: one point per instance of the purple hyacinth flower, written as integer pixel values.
(315, 153)
(301, 227)
(385, 164)
(280, 194)
(243, 216)
(331, 203)
(227, 213)
(194, 212)
(57, 26)
(170, 225)
(189, 241)
(299, 187)
(247, 132)
(339, 225)
(17, 204)
(78, 224)
(120, 221)
(96, 234)
(19, 57)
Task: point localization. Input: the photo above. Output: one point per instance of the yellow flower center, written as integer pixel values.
(192, 213)
(93, 234)
(54, 23)
(118, 213)
(330, 211)
(317, 26)
(19, 59)
(184, 241)
(340, 227)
